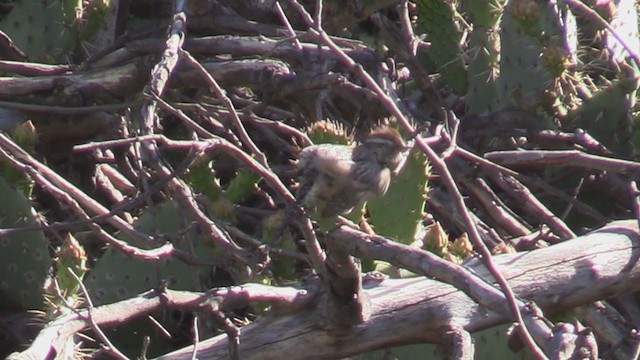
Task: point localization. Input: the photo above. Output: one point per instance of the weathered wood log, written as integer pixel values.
(602, 264)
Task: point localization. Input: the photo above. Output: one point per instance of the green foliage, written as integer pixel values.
(242, 186)
(203, 179)
(523, 54)
(24, 256)
(221, 201)
(117, 276)
(282, 268)
(493, 343)
(484, 13)
(42, 29)
(93, 17)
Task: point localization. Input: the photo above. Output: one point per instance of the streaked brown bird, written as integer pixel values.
(338, 178)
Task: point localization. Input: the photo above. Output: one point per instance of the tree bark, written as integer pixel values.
(602, 264)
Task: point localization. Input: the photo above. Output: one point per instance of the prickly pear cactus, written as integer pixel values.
(24, 256)
(490, 343)
(49, 31)
(40, 29)
(118, 276)
(282, 268)
(71, 258)
(436, 19)
(221, 202)
(328, 132)
(203, 180)
(435, 239)
(533, 51)
(625, 23)
(484, 50)
(399, 213)
(607, 115)
(242, 186)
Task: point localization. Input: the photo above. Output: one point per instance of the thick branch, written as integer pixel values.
(600, 265)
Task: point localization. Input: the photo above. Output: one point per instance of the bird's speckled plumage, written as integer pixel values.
(337, 178)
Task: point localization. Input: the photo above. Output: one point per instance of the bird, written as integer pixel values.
(338, 178)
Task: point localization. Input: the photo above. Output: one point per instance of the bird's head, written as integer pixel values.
(385, 146)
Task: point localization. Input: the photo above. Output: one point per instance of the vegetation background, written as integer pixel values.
(150, 146)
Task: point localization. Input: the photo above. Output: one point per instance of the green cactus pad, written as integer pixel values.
(530, 36)
(483, 71)
(328, 132)
(24, 256)
(41, 29)
(118, 276)
(71, 257)
(436, 19)
(483, 55)
(607, 115)
(203, 180)
(399, 213)
(242, 186)
(282, 268)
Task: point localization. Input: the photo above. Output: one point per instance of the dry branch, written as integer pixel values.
(600, 265)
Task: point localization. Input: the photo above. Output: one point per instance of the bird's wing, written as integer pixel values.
(330, 160)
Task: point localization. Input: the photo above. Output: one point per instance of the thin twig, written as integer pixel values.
(235, 119)
(196, 338)
(316, 254)
(109, 346)
(635, 195)
(531, 181)
(312, 245)
(287, 24)
(67, 110)
(573, 158)
(78, 195)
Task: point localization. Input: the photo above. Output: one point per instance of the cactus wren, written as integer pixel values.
(338, 178)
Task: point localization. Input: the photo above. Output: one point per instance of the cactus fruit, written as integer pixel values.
(71, 258)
